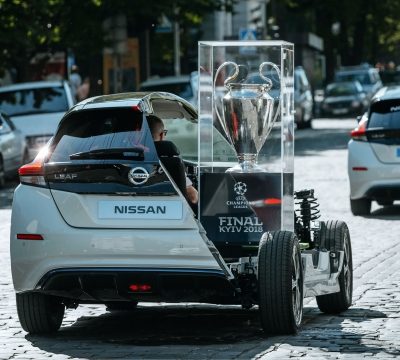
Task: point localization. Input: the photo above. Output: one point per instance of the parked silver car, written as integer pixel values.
(344, 99)
(12, 148)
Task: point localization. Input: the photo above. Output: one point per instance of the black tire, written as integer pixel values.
(335, 236)
(360, 206)
(302, 123)
(38, 313)
(121, 306)
(280, 279)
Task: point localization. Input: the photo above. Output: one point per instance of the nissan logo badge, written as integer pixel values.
(138, 175)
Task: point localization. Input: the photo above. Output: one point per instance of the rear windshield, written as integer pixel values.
(34, 101)
(102, 129)
(385, 114)
(362, 77)
(342, 89)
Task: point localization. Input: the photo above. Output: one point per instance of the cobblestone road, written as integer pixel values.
(369, 329)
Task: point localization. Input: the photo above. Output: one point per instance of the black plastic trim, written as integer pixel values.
(384, 192)
(90, 270)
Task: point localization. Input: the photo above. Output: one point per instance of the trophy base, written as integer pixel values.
(247, 164)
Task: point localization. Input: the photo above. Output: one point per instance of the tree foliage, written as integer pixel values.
(30, 26)
(369, 29)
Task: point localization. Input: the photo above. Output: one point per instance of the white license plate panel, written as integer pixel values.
(140, 210)
(339, 111)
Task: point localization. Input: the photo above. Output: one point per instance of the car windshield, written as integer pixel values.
(341, 89)
(102, 134)
(183, 89)
(33, 101)
(362, 77)
(385, 114)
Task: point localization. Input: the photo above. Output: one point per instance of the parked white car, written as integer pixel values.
(374, 154)
(12, 148)
(36, 108)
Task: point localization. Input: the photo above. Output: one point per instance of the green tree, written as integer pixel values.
(30, 26)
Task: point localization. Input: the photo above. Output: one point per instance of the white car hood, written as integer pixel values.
(38, 124)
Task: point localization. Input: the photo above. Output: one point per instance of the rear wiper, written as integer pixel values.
(132, 153)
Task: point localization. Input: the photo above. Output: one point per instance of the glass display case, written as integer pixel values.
(246, 113)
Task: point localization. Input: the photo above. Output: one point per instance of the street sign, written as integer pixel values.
(247, 34)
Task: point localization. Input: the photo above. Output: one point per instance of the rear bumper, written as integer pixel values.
(384, 192)
(102, 285)
(66, 247)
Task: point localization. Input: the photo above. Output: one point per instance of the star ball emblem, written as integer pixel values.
(240, 188)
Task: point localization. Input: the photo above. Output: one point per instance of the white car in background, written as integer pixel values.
(374, 154)
(36, 108)
(12, 148)
(184, 86)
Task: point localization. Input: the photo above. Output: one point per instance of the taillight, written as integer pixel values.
(359, 133)
(32, 174)
(29, 237)
(140, 288)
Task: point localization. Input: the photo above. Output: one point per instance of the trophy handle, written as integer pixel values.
(229, 78)
(269, 81)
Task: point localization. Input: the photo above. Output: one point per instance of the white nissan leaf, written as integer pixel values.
(374, 154)
(105, 222)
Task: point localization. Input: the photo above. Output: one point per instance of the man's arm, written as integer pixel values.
(192, 194)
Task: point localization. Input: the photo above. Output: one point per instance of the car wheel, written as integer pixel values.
(280, 278)
(302, 123)
(121, 306)
(360, 206)
(39, 313)
(335, 236)
(2, 173)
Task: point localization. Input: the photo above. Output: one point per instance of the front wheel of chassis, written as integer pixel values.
(335, 236)
(39, 313)
(280, 279)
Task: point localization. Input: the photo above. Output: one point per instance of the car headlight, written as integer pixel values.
(355, 103)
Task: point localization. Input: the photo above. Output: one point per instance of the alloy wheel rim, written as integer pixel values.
(346, 268)
(296, 287)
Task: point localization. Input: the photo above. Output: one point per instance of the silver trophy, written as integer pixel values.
(247, 116)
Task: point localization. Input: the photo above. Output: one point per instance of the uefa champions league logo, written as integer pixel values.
(239, 201)
(240, 188)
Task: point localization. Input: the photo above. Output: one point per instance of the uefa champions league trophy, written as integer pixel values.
(247, 116)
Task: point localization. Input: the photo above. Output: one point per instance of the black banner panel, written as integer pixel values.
(237, 208)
